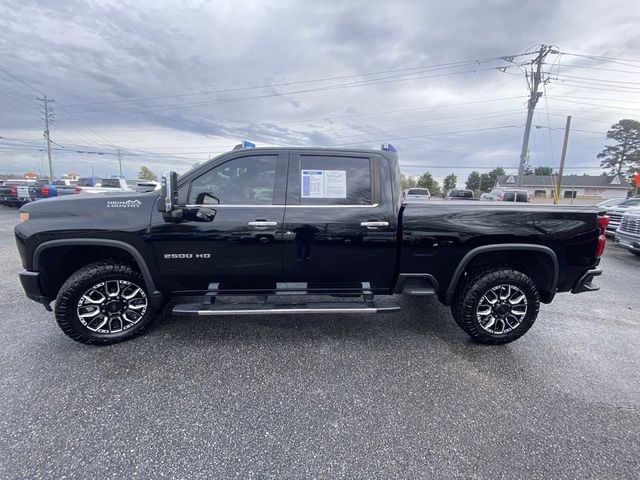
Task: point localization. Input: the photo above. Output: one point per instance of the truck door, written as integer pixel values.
(231, 231)
(340, 225)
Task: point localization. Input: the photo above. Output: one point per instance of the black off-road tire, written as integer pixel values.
(78, 284)
(474, 287)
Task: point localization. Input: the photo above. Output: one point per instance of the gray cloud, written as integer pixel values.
(90, 56)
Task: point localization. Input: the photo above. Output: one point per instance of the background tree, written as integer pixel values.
(407, 181)
(545, 171)
(473, 181)
(624, 156)
(146, 174)
(427, 181)
(488, 180)
(449, 182)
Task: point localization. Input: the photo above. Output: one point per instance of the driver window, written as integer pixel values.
(243, 181)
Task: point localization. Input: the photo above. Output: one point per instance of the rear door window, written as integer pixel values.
(335, 180)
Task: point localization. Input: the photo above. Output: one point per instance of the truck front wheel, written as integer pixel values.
(103, 302)
(496, 306)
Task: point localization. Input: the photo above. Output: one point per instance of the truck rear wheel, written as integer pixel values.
(103, 302)
(496, 306)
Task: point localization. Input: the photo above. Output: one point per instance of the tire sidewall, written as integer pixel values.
(66, 308)
(479, 286)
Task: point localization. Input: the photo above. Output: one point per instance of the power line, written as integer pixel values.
(21, 81)
(299, 82)
(571, 65)
(559, 99)
(423, 136)
(619, 61)
(295, 92)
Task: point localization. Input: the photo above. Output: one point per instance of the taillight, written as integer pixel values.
(603, 221)
(14, 190)
(77, 190)
(45, 191)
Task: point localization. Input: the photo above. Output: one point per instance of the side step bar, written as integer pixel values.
(205, 310)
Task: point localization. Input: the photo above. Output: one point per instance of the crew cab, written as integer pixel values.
(279, 224)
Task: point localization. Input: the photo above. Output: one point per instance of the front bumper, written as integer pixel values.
(31, 285)
(585, 283)
(630, 242)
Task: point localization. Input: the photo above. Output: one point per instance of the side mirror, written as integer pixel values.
(169, 188)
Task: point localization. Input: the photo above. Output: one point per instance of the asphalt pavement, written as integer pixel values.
(403, 395)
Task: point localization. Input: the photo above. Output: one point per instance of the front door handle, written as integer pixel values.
(262, 224)
(374, 225)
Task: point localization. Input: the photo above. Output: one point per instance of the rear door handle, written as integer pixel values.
(262, 224)
(374, 225)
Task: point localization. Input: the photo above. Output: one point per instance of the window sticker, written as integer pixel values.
(335, 184)
(312, 183)
(323, 183)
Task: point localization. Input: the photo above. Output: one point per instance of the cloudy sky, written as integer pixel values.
(172, 83)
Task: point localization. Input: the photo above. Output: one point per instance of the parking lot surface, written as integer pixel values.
(403, 395)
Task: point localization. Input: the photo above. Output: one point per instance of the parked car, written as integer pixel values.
(513, 196)
(333, 225)
(611, 202)
(615, 214)
(628, 233)
(143, 185)
(15, 192)
(417, 195)
(459, 194)
(105, 185)
(51, 189)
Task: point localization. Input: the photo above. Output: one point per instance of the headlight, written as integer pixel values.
(24, 216)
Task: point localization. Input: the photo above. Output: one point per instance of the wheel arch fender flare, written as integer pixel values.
(156, 296)
(502, 247)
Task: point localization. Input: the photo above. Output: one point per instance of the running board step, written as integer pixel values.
(200, 310)
(417, 290)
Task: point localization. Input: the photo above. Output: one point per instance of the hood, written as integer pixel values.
(88, 213)
(91, 204)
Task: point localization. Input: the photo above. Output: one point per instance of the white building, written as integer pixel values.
(573, 186)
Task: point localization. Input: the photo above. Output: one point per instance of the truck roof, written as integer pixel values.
(367, 151)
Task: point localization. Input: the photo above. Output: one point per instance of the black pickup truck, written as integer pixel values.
(276, 224)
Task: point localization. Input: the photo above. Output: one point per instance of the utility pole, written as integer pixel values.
(534, 79)
(47, 112)
(120, 161)
(564, 154)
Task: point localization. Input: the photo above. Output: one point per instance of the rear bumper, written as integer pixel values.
(31, 285)
(585, 282)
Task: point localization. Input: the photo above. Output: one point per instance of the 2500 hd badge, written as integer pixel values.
(293, 222)
(186, 255)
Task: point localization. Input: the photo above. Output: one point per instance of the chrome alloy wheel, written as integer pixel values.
(112, 306)
(502, 309)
